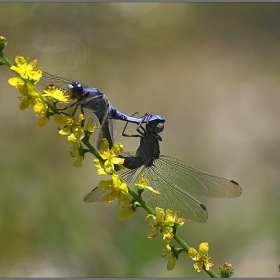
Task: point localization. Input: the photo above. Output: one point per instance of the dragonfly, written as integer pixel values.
(92, 103)
(171, 177)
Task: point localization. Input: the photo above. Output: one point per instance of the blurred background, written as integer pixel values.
(211, 69)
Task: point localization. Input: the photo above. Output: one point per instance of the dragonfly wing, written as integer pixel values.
(49, 80)
(190, 179)
(88, 114)
(95, 195)
(128, 174)
(60, 82)
(171, 196)
(108, 131)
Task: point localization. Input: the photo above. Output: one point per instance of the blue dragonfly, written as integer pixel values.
(171, 177)
(92, 103)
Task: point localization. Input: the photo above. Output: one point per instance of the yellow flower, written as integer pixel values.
(117, 189)
(127, 211)
(42, 121)
(164, 223)
(27, 71)
(89, 125)
(171, 258)
(29, 96)
(75, 151)
(143, 184)
(29, 75)
(56, 94)
(71, 125)
(201, 258)
(109, 156)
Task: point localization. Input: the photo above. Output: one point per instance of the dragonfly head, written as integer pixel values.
(156, 126)
(75, 90)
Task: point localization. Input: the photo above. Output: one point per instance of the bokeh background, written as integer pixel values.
(211, 69)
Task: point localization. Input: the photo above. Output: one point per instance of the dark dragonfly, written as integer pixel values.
(92, 103)
(171, 177)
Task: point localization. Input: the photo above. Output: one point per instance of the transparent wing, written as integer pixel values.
(60, 82)
(192, 180)
(171, 196)
(49, 80)
(108, 131)
(78, 109)
(128, 174)
(95, 195)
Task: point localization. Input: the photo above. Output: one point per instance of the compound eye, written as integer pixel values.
(71, 91)
(75, 90)
(159, 127)
(155, 127)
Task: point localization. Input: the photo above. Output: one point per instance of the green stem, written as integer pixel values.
(85, 140)
(6, 60)
(139, 199)
(210, 273)
(185, 246)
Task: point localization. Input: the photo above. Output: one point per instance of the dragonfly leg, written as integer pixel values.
(71, 105)
(129, 135)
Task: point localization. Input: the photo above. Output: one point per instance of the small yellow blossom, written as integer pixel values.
(89, 125)
(56, 94)
(109, 156)
(71, 125)
(127, 211)
(164, 223)
(27, 71)
(201, 258)
(169, 255)
(42, 121)
(117, 189)
(29, 96)
(75, 150)
(143, 184)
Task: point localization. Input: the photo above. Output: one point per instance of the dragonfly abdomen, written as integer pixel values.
(133, 162)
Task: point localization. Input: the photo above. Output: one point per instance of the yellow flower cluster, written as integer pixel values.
(201, 257)
(165, 223)
(116, 188)
(74, 127)
(28, 76)
(110, 157)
